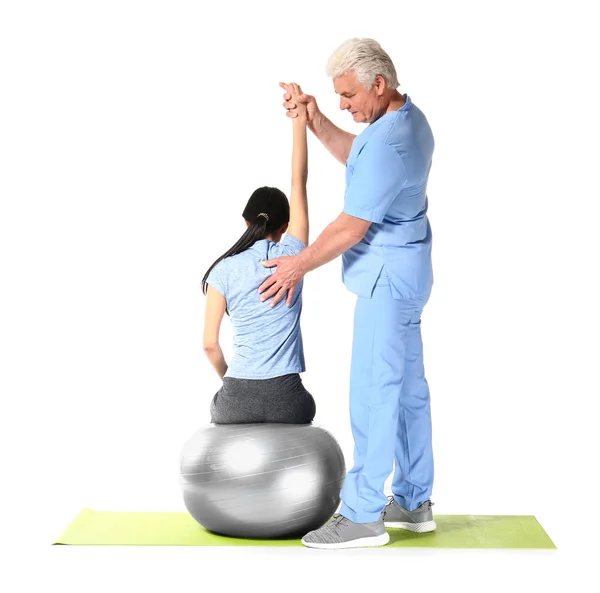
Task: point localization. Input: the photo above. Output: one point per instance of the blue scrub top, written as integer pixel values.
(386, 183)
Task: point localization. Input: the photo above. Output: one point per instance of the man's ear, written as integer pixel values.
(380, 85)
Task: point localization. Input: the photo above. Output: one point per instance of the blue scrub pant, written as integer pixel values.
(389, 407)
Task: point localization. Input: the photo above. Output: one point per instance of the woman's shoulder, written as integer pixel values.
(289, 245)
(238, 263)
(220, 267)
(255, 252)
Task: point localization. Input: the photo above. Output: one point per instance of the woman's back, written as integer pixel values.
(267, 340)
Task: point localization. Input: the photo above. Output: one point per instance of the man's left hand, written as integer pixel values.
(285, 279)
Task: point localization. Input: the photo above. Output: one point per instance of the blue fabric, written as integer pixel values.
(267, 341)
(386, 182)
(389, 407)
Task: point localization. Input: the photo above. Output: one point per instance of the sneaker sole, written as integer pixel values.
(423, 527)
(363, 542)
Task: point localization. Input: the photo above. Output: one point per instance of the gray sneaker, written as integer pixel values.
(343, 533)
(420, 520)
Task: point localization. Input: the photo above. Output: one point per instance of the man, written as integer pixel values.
(385, 238)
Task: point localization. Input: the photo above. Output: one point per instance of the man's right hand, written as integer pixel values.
(312, 108)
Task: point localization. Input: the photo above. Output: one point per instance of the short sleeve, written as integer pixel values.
(289, 245)
(216, 278)
(378, 177)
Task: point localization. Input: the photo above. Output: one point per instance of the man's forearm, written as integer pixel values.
(336, 141)
(332, 242)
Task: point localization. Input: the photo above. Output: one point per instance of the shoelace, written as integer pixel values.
(389, 503)
(338, 522)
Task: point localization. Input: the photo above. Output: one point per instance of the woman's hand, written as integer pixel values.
(297, 103)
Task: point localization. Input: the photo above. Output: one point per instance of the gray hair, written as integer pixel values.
(366, 58)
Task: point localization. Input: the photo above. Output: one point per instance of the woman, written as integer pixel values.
(262, 383)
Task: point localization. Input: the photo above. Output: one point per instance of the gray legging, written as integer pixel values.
(281, 399)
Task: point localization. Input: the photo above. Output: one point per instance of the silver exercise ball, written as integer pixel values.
(262, 480)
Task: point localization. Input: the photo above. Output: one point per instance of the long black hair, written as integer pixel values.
(267, 211)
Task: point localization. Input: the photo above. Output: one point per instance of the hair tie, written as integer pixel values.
(263, 214)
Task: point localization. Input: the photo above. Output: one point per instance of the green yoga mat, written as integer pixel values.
(180, 529)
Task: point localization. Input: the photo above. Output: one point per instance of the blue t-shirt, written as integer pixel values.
(267, 341)
(386, 183)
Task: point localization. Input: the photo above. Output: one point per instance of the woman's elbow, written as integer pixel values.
(211, 347)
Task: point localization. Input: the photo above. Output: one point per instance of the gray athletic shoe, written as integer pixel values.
(343, 533)
(420, 520)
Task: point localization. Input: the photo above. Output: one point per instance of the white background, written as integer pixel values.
(132, 133)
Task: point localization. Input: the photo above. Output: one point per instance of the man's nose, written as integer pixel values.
(344, 104)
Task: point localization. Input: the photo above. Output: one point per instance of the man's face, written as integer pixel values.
(355, 98)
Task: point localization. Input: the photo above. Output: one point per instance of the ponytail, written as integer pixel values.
(255, 232)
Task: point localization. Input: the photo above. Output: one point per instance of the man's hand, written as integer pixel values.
(295, 92)
(285, 279)
(290, 103)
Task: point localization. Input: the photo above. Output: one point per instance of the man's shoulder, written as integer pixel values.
(399, 133)
(383, 135)
(381, 145)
